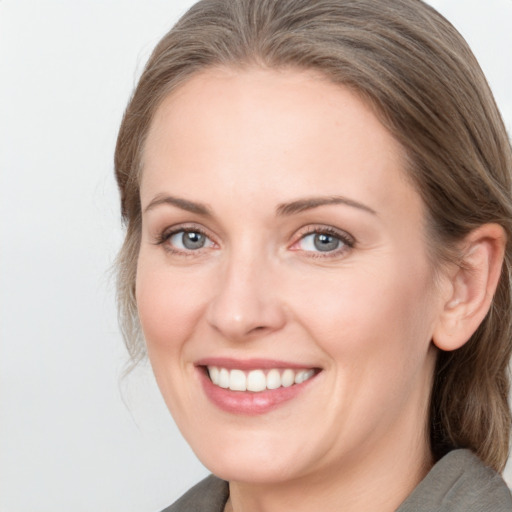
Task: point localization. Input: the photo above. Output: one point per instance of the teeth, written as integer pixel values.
(288, 378)
(214, 374)
(273, 379)
(257, 380)
(303, 375)
(224, 378)
(237, 380)
(299, 377)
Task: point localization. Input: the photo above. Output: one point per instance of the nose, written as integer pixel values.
(246, 302)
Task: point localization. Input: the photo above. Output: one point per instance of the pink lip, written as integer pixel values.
(247, 402)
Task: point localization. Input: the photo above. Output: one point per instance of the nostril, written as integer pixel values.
(257, 329)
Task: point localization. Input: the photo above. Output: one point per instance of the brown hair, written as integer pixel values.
(416, 70)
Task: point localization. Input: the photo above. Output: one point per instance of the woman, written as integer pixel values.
(317, 199)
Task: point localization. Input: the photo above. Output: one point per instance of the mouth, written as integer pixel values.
(258, 380)
(253, 387)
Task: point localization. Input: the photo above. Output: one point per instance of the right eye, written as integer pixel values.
(188, 240)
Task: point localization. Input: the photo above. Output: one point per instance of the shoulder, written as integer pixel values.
(460, 482)
(209, 495)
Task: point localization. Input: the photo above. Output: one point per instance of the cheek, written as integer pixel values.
(383, 316)
(376, 331)
(169, 305)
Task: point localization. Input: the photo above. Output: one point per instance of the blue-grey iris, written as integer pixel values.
(325, 242)
(193, 240)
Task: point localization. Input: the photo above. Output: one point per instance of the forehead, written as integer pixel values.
(283, 131)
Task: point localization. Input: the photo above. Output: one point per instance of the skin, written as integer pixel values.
(243, 142)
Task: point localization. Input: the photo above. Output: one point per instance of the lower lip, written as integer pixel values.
(247, 402)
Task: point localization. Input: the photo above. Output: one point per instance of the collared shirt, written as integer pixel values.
(459, 482)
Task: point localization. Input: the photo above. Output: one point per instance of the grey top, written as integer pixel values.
(459, 482)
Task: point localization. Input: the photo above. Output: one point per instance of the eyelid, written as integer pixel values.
(164, 235)
(346, 238)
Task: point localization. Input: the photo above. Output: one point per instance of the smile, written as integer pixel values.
(257, 380)
(254, 386)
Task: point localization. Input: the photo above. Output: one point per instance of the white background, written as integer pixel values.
(73, 434)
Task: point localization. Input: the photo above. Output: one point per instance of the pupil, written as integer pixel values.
(325, 242)
(193, 240)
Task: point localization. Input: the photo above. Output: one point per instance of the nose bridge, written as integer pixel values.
(246, 302)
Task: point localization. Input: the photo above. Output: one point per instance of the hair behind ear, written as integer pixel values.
(469, 404)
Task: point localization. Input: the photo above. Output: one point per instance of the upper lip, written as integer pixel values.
(250, 364)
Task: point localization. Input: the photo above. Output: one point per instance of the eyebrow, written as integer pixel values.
(184, 204)
(309, 203)
(284, 209)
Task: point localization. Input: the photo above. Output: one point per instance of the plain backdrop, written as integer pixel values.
(73, 434)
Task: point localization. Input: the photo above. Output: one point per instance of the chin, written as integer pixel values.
(249, 456)
(254, 469)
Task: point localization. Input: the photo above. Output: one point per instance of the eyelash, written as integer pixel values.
(167, 234)
(346, 240)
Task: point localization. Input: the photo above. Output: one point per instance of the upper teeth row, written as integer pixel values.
(257, 380)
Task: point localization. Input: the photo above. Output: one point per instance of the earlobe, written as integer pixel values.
(471, 287)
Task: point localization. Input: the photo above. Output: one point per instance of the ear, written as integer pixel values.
(471, 287)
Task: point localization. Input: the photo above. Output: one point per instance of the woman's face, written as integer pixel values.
(281, 242)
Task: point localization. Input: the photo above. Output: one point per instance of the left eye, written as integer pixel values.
(320, 242)
(189, 240)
